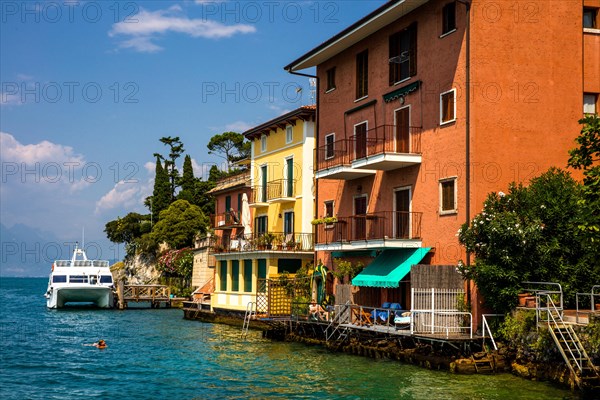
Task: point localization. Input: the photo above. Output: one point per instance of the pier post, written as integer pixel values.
(120, 294)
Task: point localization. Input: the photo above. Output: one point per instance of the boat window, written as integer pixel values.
(105, 279)
(78, 279)
(59, 279)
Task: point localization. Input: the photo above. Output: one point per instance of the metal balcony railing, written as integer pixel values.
(334, 154)
(385, 139)
(373, 226)
(276, 189)
(230, 219)
(269, 241)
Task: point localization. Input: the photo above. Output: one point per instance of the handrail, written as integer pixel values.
(592, 302)
(337, 316)
(486, 327)
(445, 327)
(555, 324)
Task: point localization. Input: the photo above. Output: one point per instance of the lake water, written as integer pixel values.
(156, 354)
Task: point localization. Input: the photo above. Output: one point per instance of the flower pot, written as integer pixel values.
(523, 299)
(597, 306)
(530, 302)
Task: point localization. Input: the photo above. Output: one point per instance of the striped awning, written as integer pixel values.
(388, 269)
(403, 91)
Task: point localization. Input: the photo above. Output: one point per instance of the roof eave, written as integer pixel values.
(383, 16)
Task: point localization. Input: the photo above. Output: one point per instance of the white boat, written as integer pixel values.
(80, 280)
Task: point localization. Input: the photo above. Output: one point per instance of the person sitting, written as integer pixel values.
(316, 312)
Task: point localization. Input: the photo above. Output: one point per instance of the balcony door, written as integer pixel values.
(289, 186)
(360, 141)
(402, 118)
(402, 202)
(360, 218)
(263, 182)
(288, 226)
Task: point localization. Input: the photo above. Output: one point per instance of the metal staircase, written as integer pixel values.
(582, 369)
(335, 327)
(250, 313)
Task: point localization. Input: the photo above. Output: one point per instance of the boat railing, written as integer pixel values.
(82, 263)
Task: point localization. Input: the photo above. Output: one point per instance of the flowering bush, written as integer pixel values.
(528, 234)
(177, 263)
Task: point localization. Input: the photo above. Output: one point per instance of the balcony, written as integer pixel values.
(226, 220)
(334, 162)
(271, 242)
(386, 147)
(384, 229)
(276, 191)
(281, 191)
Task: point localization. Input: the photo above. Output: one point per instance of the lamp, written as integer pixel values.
(401, 99)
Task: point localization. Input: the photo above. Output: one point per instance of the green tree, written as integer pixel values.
(586, 157)
(175, 151)
(188, 182)
(161, 194)
(529, 234)
(179, 224)
(128, 230)
(229, 146)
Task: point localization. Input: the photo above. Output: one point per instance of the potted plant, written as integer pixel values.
(290, 244)
(329, 221)
(268, 239)
(317, 221)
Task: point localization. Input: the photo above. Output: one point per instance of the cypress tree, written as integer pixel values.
(161, 195)
(187, 182)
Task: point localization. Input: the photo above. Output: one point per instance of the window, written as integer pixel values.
(235, 275)
(403, 54)
(448, 196)
(328, 208)
(330, 79)
(78, 279)
(289, 134)
(329, 147)
(247, 275)
(589, 103)
(263, 143)
(262, 268)
(223, 275)
(449, 18)
(589, 18)
(362, 74)
(448, 107)
(106, 279)
(261, 225)
(59, 279)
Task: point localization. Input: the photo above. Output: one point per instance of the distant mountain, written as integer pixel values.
(27, 251)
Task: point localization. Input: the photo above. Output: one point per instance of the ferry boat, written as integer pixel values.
(80, 280)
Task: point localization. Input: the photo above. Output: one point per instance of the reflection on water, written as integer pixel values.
(156, 354)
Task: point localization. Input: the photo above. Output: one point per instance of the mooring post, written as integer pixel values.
(120, 294)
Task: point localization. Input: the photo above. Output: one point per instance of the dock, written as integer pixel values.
(155, 295)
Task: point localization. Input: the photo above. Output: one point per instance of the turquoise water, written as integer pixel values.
(156, 354)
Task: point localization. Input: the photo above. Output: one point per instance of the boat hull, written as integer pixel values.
(101, 297)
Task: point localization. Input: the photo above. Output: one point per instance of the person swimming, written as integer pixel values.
(101, 344)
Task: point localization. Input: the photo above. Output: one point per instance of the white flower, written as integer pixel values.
(501, 194)
(542, 206)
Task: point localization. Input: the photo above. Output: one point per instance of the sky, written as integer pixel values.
(89, 87)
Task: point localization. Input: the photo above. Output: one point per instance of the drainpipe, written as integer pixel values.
(317, 97)
(467, 4)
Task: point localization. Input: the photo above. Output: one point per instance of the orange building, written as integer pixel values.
(424, 107)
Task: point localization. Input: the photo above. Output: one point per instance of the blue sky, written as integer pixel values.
(89, 87)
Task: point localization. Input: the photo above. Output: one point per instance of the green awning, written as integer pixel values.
(403, 91)
(388, 269)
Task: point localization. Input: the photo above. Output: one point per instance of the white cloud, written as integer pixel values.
(239, 126)
(143, 28)
(122, 195)
(11, 150)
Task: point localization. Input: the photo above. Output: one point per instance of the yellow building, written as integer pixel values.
(279, 237)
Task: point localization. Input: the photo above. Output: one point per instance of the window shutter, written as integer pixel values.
(413, 49)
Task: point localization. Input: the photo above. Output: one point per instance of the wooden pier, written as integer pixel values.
(153, 294)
